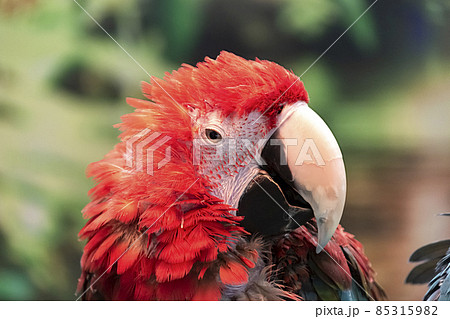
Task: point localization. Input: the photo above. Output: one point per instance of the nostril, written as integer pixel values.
(323, 220)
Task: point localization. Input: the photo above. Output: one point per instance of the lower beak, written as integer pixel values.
(305, 155)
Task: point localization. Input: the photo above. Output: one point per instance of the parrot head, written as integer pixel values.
(221, 149)
(254, 141)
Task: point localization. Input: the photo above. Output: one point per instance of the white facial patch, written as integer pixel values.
(231, 163)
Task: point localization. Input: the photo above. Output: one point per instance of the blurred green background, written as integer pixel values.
(384, 89)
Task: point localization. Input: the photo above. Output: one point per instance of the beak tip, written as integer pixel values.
(319, 249)
(321, 244)
(325, 233)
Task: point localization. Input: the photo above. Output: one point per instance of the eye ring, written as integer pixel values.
(212, 135)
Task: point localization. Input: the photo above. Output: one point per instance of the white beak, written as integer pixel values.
(315, 162)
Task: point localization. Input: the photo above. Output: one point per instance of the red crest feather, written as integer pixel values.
(229, 83)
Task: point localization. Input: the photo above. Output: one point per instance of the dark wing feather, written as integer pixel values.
(434, 269)
(430, 251)
(439, 286)
(423, 273)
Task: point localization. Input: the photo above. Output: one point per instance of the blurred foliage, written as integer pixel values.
(309, 18)
(63, 82)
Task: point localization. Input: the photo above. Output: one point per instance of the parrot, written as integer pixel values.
(434, 269)
(225, 185)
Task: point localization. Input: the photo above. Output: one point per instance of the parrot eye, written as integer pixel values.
(213, 135)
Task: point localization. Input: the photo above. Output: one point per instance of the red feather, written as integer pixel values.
(101, 251)
(169, 271)
(128, 259)
(233, 273)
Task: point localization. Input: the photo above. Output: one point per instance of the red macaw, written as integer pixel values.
(225, 186)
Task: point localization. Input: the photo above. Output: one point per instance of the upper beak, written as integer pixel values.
(311, 162)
